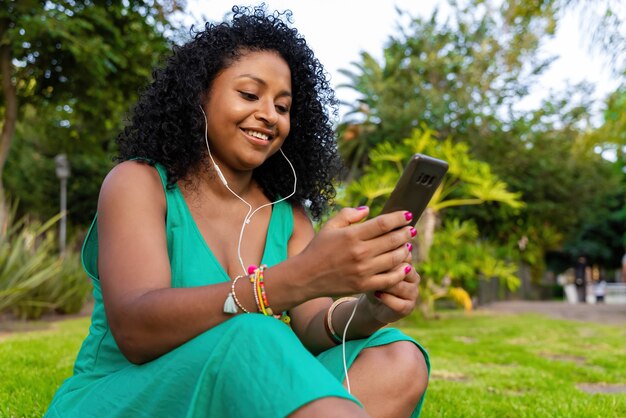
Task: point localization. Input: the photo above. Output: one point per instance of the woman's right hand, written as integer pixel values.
(349, 256)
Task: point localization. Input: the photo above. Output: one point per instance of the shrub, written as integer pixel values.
(34, 279)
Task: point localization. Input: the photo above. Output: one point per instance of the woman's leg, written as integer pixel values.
(390, 379)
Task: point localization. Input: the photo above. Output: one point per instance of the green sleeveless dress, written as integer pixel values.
(249, 366)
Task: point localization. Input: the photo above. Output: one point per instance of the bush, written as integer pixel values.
(34, 279)
(72, 288)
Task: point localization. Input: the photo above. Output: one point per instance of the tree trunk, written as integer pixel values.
(10, 115)
(423, 242)
(426, 227)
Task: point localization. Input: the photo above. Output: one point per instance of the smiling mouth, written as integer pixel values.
(258, 135)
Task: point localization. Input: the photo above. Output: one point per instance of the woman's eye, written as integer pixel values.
(282, 109)
(248, 96)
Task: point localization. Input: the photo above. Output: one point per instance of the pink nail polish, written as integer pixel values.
(378, 294)
(409, 246)
(413, 232)
(362, 208)
(251, 269)
(408, 216)
(407, 269)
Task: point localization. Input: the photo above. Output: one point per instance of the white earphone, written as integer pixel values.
(251, 213)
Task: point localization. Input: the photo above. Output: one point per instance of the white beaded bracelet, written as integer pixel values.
(231, 303)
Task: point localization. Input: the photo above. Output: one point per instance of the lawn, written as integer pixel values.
(483, 365)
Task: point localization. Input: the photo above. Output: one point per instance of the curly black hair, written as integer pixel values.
(167, 124)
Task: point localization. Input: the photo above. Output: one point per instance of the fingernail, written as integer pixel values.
(251, 269)
(407, 269)
(409, 246)
(378, 294)
(362, 208)
(408, 216)
(413, 232)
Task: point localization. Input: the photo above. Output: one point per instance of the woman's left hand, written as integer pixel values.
(398, 301)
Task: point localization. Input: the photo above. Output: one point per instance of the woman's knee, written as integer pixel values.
(413, 365)
(406, 365)
(329, 408)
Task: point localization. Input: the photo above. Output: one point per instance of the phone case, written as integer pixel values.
(420, 178)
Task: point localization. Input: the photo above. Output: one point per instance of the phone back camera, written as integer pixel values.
(425, 179)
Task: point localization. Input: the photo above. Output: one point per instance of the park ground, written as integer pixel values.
(614, 314)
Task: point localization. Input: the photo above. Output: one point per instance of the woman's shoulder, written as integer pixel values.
(299, 215)
(302, 225)
(133, 172)
(130, 180)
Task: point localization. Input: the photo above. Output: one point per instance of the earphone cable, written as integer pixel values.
(249, 216)
(250, 213)
(343, 343)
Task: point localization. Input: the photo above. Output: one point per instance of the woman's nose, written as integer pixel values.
(267, 113)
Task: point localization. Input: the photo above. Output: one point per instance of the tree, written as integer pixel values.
(610, 137)
(460, 77)
(468, 182)
(564, 178)
(463, 78)
(78, 64)
(601, 23)
(601, 234)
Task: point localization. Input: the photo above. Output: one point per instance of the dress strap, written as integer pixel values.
(162, 173)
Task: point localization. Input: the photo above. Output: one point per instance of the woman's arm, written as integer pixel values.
(305, 318)
(147, 316)
(371, 314)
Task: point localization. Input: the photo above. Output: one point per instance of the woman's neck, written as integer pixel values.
(208, 183)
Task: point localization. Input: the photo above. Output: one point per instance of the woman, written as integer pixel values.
(203, 242)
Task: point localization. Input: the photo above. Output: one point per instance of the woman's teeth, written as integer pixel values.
(258, 135)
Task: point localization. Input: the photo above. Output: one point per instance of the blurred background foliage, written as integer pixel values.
(463, 77)
(528, 189)
(75, 68)
(452, 257)
(70, 71)
(34, 278)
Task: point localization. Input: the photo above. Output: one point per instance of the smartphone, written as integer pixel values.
(420, 178)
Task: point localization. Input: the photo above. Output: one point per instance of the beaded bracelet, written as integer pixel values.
(258, 284)
(257, 295)
(255, 291)
(328, 319)
(256, 275)
(261, 282)
(232, 302)
(263, 295)
(232, 290)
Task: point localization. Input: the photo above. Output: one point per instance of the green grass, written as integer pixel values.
(483, 365)
(34, 363)
(489, 365)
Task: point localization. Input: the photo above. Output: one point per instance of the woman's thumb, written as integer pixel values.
(348, 216)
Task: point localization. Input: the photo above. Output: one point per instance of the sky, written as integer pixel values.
(338, 30)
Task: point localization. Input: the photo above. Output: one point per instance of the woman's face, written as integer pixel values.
(248, 110)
